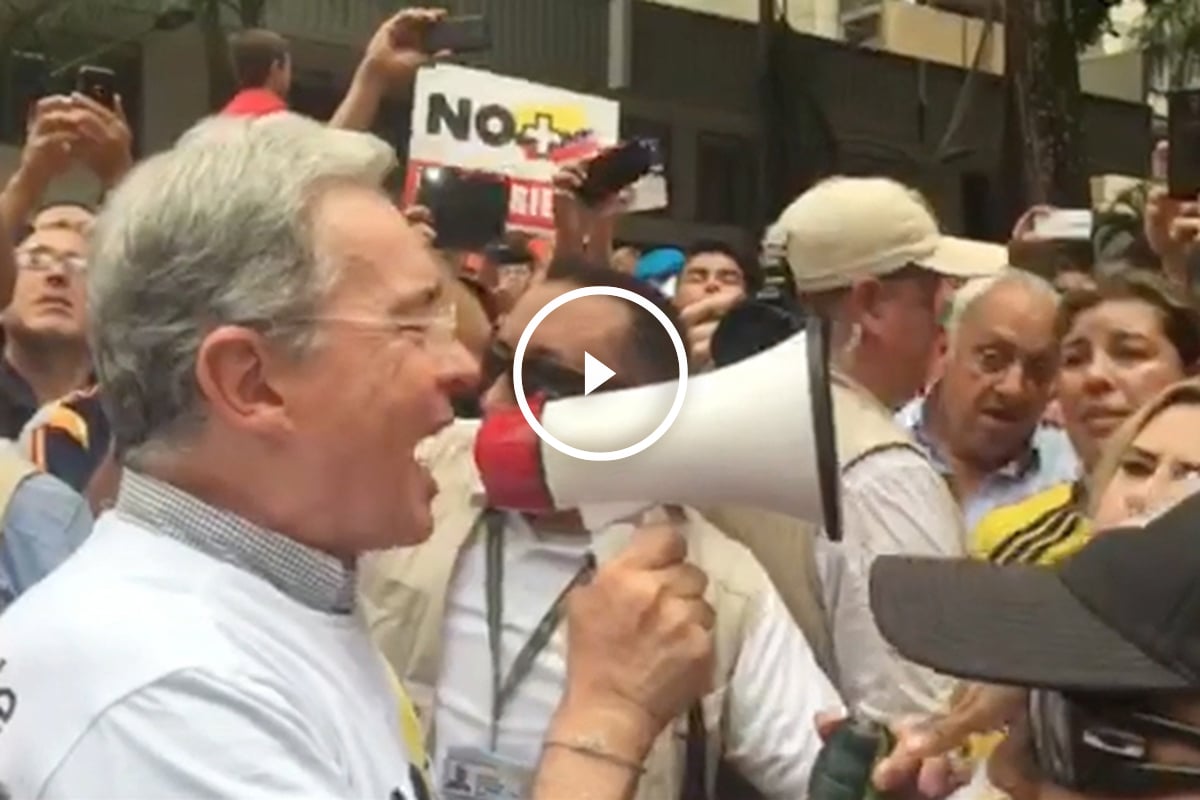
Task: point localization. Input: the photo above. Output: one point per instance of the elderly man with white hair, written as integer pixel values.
(273, 340)
(866, 255)
(980, 422)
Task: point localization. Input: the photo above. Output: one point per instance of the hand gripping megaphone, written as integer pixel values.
(757, 433)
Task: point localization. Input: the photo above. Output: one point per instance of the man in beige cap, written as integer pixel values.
(867, 256)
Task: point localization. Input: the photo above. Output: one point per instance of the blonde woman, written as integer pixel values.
(1153, 461)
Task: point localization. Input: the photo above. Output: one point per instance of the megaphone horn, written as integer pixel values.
(756, 433)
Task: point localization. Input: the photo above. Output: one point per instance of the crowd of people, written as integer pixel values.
(244, 551)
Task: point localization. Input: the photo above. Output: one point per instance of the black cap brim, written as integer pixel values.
(1016, 625)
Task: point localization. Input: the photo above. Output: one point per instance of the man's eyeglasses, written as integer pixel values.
(46, 260)
(540, 375)
(435, 329)
(1103, 747)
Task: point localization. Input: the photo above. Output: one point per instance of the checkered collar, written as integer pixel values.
(310, 577)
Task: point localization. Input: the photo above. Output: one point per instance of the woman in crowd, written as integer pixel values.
(1152, 462)
(1122, 343)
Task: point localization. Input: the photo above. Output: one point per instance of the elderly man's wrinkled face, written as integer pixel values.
(379, 379)
(1000, 373)
(50, 295)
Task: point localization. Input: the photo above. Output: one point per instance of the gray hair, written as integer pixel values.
(215, 231)
(975, 290)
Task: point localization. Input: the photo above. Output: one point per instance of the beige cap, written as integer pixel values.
(846, 229)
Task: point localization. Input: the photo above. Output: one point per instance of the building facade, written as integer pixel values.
(697, 81)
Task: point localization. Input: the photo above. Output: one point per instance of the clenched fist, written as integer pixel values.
(639, 636)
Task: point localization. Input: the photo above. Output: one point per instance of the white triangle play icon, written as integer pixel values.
(594, 373)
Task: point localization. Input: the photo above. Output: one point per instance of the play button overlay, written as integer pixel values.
(595, 374)
(624, 409)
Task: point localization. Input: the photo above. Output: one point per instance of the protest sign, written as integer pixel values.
(476, 120)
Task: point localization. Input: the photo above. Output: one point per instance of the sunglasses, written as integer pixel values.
(1092, 747)
(539, 374)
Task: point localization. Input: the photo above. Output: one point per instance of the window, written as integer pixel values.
(976, 205)
(726, 172)
(633, 126)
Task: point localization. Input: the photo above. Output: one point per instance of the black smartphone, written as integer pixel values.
(98, 83)
(465, 34)
(470, 209)
(613, 170)
(1183, 134)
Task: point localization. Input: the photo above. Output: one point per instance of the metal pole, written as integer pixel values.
(766, 119)
(620, 44)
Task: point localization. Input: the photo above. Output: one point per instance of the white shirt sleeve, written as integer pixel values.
(775, 693)
(190, 735)
(894, 503)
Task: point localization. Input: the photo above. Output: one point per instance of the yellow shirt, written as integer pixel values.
(1041, 529)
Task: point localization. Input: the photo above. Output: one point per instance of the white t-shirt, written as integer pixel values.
(775, 692)
(143, 668)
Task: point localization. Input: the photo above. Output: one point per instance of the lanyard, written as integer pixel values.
(503, 690)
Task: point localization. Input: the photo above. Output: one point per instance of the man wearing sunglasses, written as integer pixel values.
(480, 598)
(1108, 646)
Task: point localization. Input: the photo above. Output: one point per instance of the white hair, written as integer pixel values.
(976, 289)
(215, 231)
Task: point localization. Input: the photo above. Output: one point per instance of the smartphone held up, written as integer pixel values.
(465, 34)
(98, 83)
(1183, 135)
(636, 165)
(470, 209)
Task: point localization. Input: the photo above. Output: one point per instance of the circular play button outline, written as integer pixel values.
(535, 423)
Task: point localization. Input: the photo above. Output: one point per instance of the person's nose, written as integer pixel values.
(458, 370)
(1098, 375)
(1011, 384)
(57, 274)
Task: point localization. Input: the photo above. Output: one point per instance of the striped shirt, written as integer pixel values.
(1042, 529)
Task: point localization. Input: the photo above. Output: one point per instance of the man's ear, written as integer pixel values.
(866, 301)
(233, 373)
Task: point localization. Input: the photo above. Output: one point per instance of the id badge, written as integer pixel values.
(472, 774)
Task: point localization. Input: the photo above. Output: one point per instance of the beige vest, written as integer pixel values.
(784, 545)
(404, 599)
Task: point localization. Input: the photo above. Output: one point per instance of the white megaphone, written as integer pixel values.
(756, 433)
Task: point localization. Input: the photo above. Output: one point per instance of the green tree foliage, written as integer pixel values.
(1170, 33)
(1090, 20)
